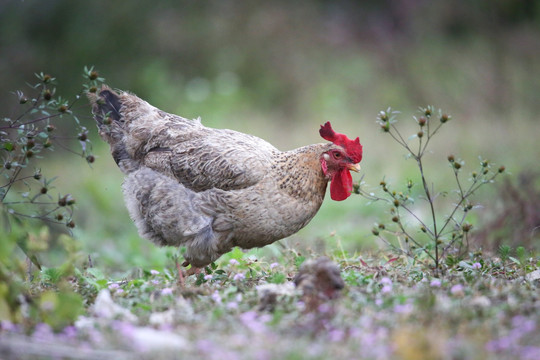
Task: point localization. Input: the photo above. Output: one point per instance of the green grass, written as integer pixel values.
(483, 309)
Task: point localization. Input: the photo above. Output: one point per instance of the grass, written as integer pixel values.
(485, 308)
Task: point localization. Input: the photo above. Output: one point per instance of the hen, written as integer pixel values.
(212, 189)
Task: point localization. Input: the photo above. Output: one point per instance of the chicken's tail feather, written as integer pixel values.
(106, 106)
(107, 110)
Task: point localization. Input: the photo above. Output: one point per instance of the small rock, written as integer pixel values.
(534, 277)
(106, 308)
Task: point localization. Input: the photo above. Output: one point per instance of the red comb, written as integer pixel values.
(352, 147)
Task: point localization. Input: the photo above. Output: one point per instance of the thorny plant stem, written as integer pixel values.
(439, 230)
(432, 208)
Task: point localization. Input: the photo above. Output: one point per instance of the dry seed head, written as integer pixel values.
(47, 95)
(422, 121)
(501, 169)
(375, 232)
(444, 118)
(93, 75)
(395, 219)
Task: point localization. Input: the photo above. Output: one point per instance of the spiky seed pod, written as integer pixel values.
(62, 201)
(47, 95)
(93, 75)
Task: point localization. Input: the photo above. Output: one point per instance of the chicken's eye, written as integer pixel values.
(337, 155)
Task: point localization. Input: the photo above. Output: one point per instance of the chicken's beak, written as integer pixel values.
(354, 167)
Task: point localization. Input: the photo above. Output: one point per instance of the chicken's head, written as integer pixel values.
(337, 162)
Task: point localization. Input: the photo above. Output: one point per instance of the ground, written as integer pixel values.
(248, 308)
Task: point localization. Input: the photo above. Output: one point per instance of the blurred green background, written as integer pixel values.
(278, 70)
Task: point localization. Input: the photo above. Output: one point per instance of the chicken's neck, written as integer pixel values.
(299, 173)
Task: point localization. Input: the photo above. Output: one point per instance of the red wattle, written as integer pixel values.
(341, 185)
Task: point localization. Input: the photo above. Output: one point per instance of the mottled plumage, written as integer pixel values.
(212, 189)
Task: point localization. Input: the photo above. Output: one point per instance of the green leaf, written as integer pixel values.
(9, 146)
